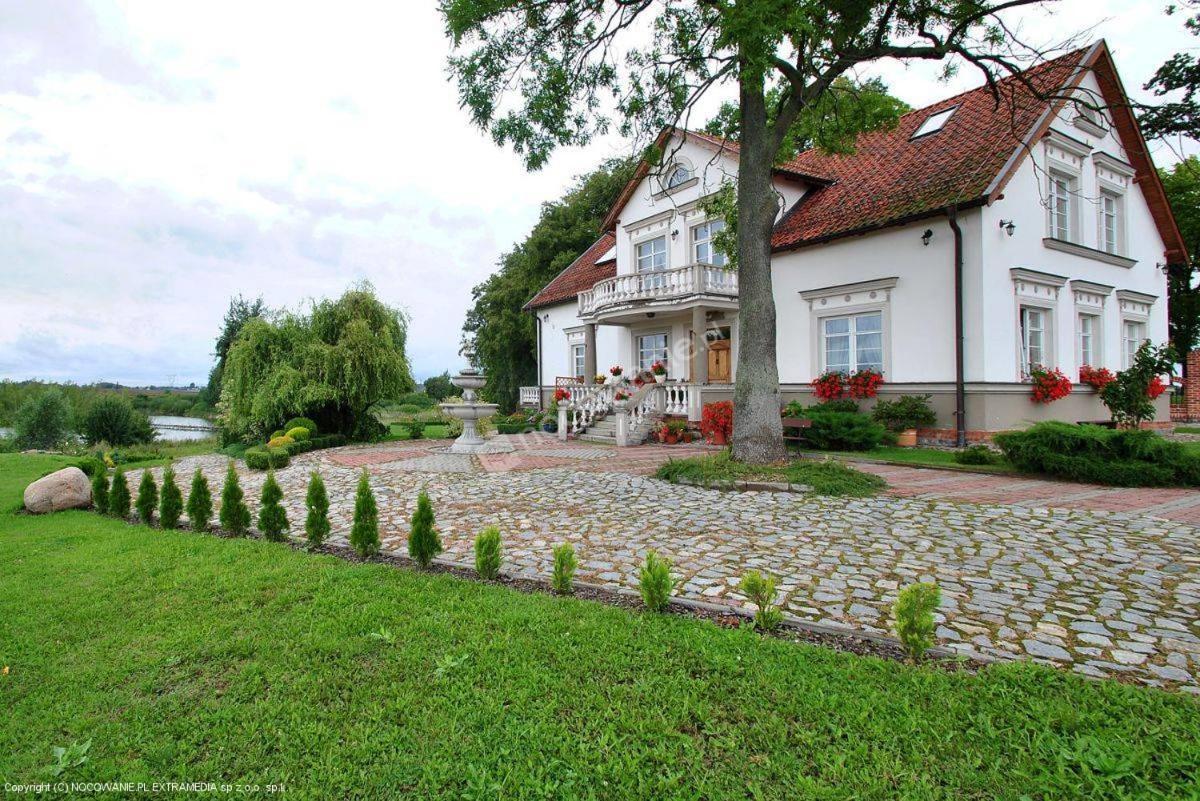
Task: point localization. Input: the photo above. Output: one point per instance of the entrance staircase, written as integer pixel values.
(604, 430)
(592, 415)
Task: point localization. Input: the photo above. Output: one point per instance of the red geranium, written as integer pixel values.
(561, 394)
(864, 384)
(1156, 387)
(716, 422)
(830, 385)
(1098, 377)
(1049, 385)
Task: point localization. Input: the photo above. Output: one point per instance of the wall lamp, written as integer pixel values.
(925, 237)
(1009, 226)
(674, 234)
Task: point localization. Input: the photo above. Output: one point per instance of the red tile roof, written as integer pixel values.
(579, 275)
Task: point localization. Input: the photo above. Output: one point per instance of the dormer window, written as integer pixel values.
(677, 174)
(935, 122)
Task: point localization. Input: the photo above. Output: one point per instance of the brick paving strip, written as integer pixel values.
(1103, 593)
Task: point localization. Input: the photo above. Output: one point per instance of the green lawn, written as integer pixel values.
(825, 477)
(432, 431)
(1187, 429)
(932, 457)
(191, 658)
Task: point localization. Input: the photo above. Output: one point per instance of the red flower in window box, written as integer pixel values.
(1049, 385)
(716, 422)
(561, 394)
(1096, 377)
(864, 384)
(830, 385)
(1156, 387)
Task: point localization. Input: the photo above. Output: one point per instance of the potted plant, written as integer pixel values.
(660, 372)
(621, 399)
(599, 378)
(561, 395)
(616, 372)
(550, 421)
(672, 430)
(904, 416)
(716, 422)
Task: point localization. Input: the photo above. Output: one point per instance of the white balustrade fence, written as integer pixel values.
(694, 279)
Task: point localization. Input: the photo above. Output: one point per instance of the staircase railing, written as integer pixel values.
(588, 401)
(643, 406)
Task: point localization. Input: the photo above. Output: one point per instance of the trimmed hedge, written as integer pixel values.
(1096, 455)
(262, 457)
(838, 430)
(512, 428)
(301, 422)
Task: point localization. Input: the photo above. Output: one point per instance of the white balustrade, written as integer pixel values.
(694, 279)
(531, 396)
(678, 398)
(587, 402)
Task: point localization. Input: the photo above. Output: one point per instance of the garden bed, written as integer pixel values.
(720, 471)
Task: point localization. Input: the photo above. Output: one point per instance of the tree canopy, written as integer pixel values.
(502, 336)
(332, 365)
(240, 312)
(1182, 183)
(578, 66)
(1178, 74)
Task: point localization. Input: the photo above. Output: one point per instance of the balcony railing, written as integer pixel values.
(681, 282)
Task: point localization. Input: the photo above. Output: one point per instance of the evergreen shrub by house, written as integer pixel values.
(836, 428)
(914, 617)
(235, 516)
(170, 505)
(1097, 455)
(976, 455)
(199, 503)
(905, 412)
(147, 498)
(563, 575)
(655, 582)
(272, 519)
(487, 553)
(118, 496)
(100, 492)
(364, 533)
(316, 523)
(423, 541)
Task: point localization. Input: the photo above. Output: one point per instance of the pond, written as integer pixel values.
(169, 428)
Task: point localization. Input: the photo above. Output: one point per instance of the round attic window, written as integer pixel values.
(678, 173)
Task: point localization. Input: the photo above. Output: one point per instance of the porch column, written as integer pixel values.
(589, 352)
(699, 346)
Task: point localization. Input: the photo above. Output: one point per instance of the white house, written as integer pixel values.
(974, 240)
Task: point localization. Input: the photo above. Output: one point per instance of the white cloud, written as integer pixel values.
(158, 158)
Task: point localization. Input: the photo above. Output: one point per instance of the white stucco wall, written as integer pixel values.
(559, 324)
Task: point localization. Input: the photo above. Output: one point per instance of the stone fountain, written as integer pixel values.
(470, 411)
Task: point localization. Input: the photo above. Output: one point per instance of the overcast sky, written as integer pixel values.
(157, 158)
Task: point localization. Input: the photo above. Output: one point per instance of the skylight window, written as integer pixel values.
(935, 122)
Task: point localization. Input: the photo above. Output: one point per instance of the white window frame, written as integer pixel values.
(1061, 202)
(1047, 332)
(852, 334)
(1117, 214)
(1095, 348)
(665, 357)
(579, 361)
(649, 279)
(1130, 345)
(716, 257)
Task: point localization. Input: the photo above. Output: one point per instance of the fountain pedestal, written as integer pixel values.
(470, 411)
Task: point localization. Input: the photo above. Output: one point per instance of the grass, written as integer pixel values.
(1187, 429)
(825, 478)
(399, 431)
(932, 457)
(184, 657)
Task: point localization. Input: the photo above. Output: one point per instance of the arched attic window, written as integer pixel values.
(677, 173)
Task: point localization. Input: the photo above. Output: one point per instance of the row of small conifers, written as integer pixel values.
(913, 611)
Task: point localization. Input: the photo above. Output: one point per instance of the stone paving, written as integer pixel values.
(1098, 592)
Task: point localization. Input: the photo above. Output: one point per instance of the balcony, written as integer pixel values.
(673, 288)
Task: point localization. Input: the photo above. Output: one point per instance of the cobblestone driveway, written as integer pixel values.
(1102, 593)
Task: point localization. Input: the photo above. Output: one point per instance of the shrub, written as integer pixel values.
(113, 419)
(914, 617)
(118, 496)
(43, 421)
(563, 574)
(316, 524)
(975, 455)
(417, 399)
(423, 541)
(272, 519)
(277, 434)
(280, 442)
(93, 466)
(298, 434)
(100, 492)
(905, 412)
(364, 533)
(416, 429)
(716, 421)
(261, 457)
(841, 431)
(301, 422)
(655, 582)
(408, 408)
(798, 409)
(487, 553)
(147, 498)
(235, 517)
(199, 504)
(1129, 397)
(1121, 457)
(170, 505)
(761, 592)
(511, 428)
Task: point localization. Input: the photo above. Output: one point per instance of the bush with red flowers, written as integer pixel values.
(1049, 385)
(1156, 387)
(864, 384)
(1097, 377)
(829, 385)
(716, 422)
(833, 385)
(561, 394)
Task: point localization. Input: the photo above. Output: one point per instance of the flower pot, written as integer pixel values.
(660, 378)
(718, 438)
(550, 428)
(907, 438)
(671, 438)
(616, 379)
(620, 405)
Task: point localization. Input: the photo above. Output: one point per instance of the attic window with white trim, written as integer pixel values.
(677, 174)
(935, 122)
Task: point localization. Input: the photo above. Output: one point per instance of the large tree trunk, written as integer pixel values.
(757, 431)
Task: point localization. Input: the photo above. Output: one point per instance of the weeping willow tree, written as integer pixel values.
(332, 365)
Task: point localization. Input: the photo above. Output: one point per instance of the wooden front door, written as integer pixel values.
(718, 362)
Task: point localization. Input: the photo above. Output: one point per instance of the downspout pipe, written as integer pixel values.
(537, 316)
(960, 386)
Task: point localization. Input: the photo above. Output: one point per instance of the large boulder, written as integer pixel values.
(68, 488)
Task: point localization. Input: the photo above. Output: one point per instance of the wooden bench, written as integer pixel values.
(792, 427)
